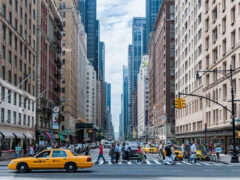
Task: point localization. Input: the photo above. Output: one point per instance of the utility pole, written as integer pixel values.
(234, 156)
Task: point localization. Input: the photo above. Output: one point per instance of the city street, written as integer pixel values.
(153, 169)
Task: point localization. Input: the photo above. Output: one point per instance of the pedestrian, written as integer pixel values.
(87, 150)
(117, 153)
(127, 150)
(31, 150)
(112, 153)
(143, 155)
(193, 151)
(160, 150)
(218, 150)
(139, 154)
(168, 159)
(173, 153)
(100, 155)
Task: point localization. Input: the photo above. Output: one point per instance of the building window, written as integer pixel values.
(233, 39)
(2, 115)
(9, 95)
(10, 76)
(3, 32)
(215, 54)
(3, 73)
(3, 94)
(32, 122)
(10, 18)
(214, 15)
(15, 99)
(224, 47)
(4, 10)
(14, 117)
(9, 116)
(19, 118)
(28, 122)
(10, 57)
(3, 52)
(20, 101)
(233, 16)
(215, 35)
(24, 119)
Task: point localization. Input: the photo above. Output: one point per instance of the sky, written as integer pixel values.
(115, 30)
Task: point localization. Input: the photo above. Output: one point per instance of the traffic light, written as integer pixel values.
(177, 103)
(183, 103)
(180, 103)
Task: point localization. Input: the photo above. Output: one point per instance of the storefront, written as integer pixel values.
(86, 132)
(222, 137)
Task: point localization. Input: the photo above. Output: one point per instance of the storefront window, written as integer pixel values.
(5, 144)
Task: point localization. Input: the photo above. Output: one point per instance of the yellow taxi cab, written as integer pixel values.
(52, 159)
(150, 149)
(177, 151)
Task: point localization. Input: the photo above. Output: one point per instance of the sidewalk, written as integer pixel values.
(227, 159)
(4, 163)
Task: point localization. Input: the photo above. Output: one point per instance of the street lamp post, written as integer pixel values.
(234, 155)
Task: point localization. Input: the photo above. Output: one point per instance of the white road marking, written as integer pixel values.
(129, 162)
(206, 164)
(101, 163)
(148, 162)
(119, 162)
(186, 163)
(217, 164)
(156, 162)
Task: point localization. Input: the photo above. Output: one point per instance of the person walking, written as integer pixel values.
(160, 151)
(87, 150)
(100, 155)
(117, 153)
(31, 150)
(127, 151)
(168, 159)
(193, 151)
(139, 154)
(112, 153)
(143, 155)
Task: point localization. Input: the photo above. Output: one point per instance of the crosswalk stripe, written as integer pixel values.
(217, 164)
(186, 163)
(101, 163)
(120, 163)
(156, 162)
(206, 164)
(198, 164)
(129, 162)
(148, 162)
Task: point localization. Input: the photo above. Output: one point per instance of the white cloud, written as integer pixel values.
(115, 17)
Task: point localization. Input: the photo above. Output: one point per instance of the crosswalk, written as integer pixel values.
(157, 162)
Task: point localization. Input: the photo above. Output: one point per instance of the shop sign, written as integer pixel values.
(55, 118)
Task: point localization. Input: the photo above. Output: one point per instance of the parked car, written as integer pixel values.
(107, 144)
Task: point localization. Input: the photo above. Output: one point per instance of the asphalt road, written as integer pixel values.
(133, 170)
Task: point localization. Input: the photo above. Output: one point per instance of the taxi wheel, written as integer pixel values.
(22, 168)
(71, 167)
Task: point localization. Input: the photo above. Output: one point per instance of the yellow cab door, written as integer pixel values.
(58, 159)
(41, 161)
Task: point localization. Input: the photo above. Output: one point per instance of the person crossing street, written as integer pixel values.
(117, 153)
(193, 151)
(100, 155)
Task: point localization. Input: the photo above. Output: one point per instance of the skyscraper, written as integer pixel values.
(125, 100)
(135, 53)
(101, 62)
(152, 7)
(87, 9)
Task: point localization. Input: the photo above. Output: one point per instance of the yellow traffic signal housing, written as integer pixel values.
(178, 103)
(183, 103)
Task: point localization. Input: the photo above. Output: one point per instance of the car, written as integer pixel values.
(177, 151)
(150, 149)
(51, 159)
(133, 149)
(107, 144)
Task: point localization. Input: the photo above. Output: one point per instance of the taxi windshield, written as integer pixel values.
(74, 154)
(150, 146)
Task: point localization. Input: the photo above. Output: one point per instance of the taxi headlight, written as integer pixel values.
(12, 162)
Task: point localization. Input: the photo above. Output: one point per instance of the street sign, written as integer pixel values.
(164, 118)
(56, 109)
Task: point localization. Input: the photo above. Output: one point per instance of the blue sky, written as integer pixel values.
(115, 20)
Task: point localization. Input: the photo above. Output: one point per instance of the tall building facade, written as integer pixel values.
(69, 13)
(142, 98)
(152, 8)
(162, 74)
(18, 21)
(49, 26)
(82, 72)
(125, 100)
(91, 91)
(88, 11)
(216, 47)
(135, 53)
(101, 61)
